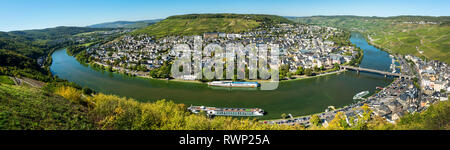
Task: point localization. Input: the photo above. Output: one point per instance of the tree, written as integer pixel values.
(283, 71)
(70, 93)
(289, 75)
(308, 72)
(87, 91)
(316, 69)
(336, 66)
(339, 122)
(315, 120)
(362, 122)
(283, 116)
(110, 68)
(300, 70)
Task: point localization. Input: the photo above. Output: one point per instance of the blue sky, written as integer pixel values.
(38, 14)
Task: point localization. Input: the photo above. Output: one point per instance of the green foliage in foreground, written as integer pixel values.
(437, 117)
(31, 108)
(113, 112)
(63, 105)
(24, 107)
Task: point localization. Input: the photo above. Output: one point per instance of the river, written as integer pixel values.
(301, 97)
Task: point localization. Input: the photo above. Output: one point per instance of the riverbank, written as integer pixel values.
(335, 110)
(327, 114)
(300, 96)
(121, 71)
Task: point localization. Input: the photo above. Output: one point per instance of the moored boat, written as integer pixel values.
(238, 112)
(361, 95)
(234, 84)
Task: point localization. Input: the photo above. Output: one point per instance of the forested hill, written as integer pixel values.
(196, 24)
(24, 53)
(423, 36)
(37, 43)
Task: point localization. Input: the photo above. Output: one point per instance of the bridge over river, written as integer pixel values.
(386, 74)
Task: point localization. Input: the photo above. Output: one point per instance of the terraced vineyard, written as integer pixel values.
(198, 24)
(426, 37)
(429, 41)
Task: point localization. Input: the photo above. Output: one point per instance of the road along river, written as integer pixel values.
(300, 97)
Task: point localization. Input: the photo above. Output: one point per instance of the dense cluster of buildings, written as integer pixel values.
(400, 97)
(433, 77)
(301, 45)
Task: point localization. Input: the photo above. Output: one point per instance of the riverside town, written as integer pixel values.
(212, 74)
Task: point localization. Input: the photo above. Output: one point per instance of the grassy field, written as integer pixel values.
(31, 108)
(395, 34)
(6, 80)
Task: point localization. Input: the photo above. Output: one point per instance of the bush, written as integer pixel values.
(112, 112)
(437, 117)
(87, 91)
(71, 94)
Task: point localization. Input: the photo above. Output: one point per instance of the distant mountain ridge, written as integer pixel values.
(125, 24)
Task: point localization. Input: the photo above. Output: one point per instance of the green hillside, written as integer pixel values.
(24, 107)
(37, 43)
(196, 24)
(402, 34)
(14, 64)
(67, 108)
(31, 108)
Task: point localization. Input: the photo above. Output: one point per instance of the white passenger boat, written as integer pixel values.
(361, 95)
(234, 84)
(238, 112)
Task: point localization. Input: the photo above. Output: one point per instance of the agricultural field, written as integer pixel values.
(426, 37)
(426, 41)
(196, 24)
